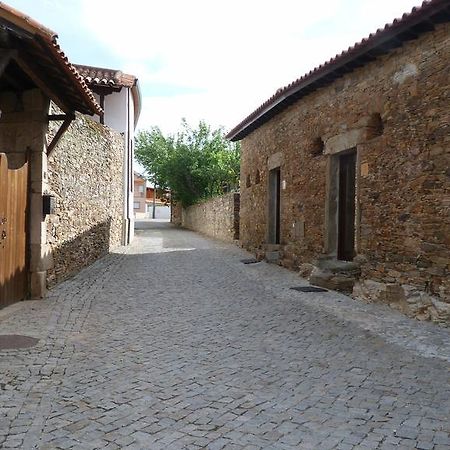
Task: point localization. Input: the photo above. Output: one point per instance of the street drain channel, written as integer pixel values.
(308, 289)
(16, 341)
(249, 261)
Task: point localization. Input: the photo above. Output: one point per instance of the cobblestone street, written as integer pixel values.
(173, 343)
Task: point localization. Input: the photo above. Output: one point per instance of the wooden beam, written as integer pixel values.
(52, 117)
(40, 83)
(60, 132)
(102, 105)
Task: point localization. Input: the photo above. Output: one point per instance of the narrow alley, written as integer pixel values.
(174, 343)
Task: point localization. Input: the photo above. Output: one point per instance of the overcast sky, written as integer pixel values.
(209, 59)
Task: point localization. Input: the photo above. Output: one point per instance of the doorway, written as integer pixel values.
(346, 206)
(13, 237)
(274, 206)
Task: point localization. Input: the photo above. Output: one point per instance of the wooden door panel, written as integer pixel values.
(13, 209)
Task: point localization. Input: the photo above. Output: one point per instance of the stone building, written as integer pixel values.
(61, 183)
(345, 172)
(119, 96)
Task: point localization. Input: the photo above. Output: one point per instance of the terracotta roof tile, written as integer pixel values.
(73, 91)
(106, 77)
(379, 42)
(101, 76)
(83, 87)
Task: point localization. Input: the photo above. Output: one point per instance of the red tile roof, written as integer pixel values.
(101, 76)
(41, 52)
(409, 26)
(105, 77)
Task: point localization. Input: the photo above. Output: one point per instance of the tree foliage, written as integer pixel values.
(194, 163)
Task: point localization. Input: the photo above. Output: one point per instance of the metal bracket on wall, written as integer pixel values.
(67, 120)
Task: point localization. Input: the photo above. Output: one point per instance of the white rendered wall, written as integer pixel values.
(116, 110)
(119, 115)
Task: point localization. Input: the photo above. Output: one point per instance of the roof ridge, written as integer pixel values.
(283, 92)
(27, 23)
(85, 66)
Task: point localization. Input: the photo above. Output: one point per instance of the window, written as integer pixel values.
(136, 205)
(141, 188)
(317, 147)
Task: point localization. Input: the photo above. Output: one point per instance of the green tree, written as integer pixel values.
(194, 163)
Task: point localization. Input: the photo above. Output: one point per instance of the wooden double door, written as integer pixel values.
(13, 232)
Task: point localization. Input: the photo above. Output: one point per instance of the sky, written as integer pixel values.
(211, 60)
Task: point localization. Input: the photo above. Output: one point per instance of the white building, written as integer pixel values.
(119, 96)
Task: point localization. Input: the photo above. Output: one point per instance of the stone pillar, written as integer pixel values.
(40, 254)
(23, 128)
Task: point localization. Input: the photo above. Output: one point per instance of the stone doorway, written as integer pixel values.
(335, 269)
(341, 206)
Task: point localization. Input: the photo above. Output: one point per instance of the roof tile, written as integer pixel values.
(261, 114)
(43, 42)
(105, 77)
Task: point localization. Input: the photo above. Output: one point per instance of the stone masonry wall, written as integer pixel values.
(85, 173)
(176, 213)
(395, 112)
(217, 217)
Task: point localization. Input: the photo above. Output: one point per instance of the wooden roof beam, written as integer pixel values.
(40, 82)
(68, 118)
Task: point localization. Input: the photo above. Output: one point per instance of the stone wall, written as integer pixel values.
(394, 111)
(176, 213)
(85, 174)
(217, 217)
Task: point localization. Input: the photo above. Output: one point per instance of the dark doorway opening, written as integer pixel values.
(274, 206)
(346, 206)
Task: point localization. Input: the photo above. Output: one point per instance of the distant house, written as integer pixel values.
(61, 173)
(139, 198)
(345, 171)
(162, 196)
(119, 97)
(143, 200)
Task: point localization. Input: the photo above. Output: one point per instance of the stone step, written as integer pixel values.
(273, 256)
(338, 266)
(289, 263)
(272, 247)
(335, 274)
(334, 281)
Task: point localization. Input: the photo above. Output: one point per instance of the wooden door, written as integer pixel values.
(13, 209)
(274, 206)
(346, 206)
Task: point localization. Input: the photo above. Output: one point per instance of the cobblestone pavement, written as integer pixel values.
(173, 343)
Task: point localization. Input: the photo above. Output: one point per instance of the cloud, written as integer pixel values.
(223, 58)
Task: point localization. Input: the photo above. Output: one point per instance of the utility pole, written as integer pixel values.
(154, 201)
